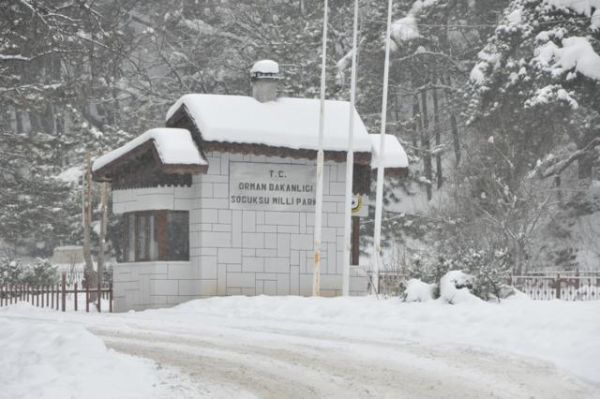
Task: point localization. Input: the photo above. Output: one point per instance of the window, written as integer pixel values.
(155, 235)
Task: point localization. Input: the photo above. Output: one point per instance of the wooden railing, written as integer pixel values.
(56, 296)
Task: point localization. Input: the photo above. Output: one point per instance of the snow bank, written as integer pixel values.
(174, 147)
(418, 291)
(59, 360)
(455, 287)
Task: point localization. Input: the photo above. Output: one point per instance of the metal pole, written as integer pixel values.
(320, 159)
(380, 167)
(350, 162)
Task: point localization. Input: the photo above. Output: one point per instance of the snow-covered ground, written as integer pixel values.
(48, 359)
(317, 347)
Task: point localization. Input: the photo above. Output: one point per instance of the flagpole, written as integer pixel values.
(380, 167)
(350, 162)
(320, 160)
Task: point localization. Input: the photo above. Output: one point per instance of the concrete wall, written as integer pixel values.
(237, 251)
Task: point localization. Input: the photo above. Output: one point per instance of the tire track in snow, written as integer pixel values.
(271, 364)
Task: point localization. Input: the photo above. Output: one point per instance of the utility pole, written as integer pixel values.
(350, 162)
(377, 256)
(316, 291)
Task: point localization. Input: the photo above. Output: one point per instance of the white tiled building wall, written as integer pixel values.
(236, 251)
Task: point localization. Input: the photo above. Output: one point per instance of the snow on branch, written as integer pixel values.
(13, 57)
(554, 166)
(406, 29)
(576, 53)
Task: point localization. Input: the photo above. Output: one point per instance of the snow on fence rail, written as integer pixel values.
(55, 296)
(570, 288)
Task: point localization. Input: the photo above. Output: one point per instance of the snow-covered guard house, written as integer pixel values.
(221, 201)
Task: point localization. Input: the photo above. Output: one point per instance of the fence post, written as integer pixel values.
(64, 292)
(76, 294)
(47, 296)
(99, 296)
(37, 296)
(58, 296)
(110, 297)
(87, 296)
(557, 285)
(52, 296)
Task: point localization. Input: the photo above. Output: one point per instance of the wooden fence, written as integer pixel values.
(56, 296)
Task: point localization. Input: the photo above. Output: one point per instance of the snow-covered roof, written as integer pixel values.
(265, 66)
(394, 155)
(173, 146)
(287, 122)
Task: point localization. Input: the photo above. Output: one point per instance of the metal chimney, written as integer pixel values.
(265, 77)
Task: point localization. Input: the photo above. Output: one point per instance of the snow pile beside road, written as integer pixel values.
(59, 360)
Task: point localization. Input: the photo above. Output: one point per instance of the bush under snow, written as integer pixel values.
(455, 287)
(418, 291)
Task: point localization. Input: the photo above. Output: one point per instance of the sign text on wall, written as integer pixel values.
(271, 186)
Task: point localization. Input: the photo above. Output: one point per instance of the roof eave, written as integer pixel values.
(108, 171)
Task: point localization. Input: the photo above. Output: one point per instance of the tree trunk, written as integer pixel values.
(585, 166)
(455, 138)
(90, 278)
(103, 225)
(519, 257)
(426, 145)
(438, 139)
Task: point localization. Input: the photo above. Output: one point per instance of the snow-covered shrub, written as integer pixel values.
(455, 287)
(41, 273)
(418, 291)
(12, 271)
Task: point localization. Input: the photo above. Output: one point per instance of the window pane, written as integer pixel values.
(178, 225)
(142, 226)
(153, 250)
(130, 250)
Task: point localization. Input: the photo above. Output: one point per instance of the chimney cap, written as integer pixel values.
(265, 69)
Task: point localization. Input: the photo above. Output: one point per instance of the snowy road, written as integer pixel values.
(290, 347)
(309, 366)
